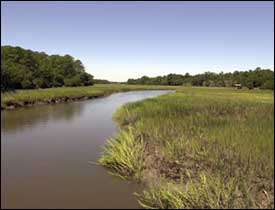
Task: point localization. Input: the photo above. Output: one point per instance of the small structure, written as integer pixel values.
(238, 86)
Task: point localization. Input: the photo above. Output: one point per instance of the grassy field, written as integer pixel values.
(197, 148)
(21, 96)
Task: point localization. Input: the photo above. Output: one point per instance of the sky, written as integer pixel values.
(121, 40)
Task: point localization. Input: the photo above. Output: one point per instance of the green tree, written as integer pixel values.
(25, 69)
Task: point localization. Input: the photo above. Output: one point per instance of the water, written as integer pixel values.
(46, 153)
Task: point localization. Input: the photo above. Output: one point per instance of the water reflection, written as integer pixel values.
(20, 119)
(46, 151)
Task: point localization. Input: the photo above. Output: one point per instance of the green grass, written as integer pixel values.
(20, 96)
(198, 148)
(126, 151)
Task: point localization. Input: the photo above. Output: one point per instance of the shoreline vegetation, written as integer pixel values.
(30, 97)
(197, 148)
(26, 98)
(208, 145)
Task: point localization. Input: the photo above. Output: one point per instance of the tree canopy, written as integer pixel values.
(102, 81)
(258, 78)
(26, 69)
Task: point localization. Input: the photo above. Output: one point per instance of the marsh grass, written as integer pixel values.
(123, 155)
(198, 148)
(21, 96)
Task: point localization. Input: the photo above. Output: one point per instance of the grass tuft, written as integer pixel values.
(124, 154)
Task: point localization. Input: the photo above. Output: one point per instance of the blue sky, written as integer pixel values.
(121, 40)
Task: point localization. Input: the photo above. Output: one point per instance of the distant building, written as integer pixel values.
(238, 86)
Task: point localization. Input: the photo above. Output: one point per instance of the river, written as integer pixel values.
(47, 150)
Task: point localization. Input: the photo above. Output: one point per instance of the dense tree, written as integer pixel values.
(101, 81)
(26, 69)
(258, 78)
(269, 84)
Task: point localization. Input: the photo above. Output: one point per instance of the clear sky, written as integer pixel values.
(121, 40)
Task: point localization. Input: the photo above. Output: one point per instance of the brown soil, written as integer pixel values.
(19, 104)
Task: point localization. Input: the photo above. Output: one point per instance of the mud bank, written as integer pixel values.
(9, 105)
(25, 98)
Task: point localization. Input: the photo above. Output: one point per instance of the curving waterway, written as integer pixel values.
(47, 150)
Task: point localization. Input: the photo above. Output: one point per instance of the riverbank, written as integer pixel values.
(25, 98)
(59, 143)
(197, 148)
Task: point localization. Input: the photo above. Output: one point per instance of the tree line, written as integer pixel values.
(102, 81)
(258, 78)
(26, 69)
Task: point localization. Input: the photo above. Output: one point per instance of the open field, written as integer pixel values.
(20, 98)
(197, 148)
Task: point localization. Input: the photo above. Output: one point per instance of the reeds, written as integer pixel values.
(123, 155)
(201, 147)
(34, 95)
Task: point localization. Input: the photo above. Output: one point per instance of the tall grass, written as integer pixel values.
(201, 148)
(124, 154)
(20, 96)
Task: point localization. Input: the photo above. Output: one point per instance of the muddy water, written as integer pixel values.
(46, 153)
